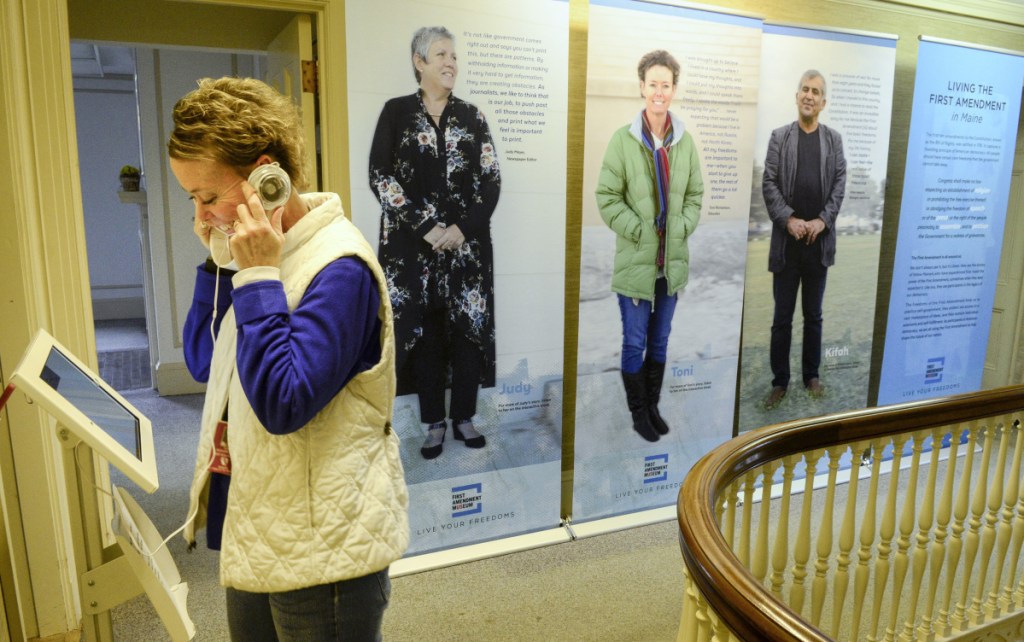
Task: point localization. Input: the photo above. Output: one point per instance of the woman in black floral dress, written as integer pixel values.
(434, 169)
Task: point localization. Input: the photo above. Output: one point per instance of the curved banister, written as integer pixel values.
(749, 610)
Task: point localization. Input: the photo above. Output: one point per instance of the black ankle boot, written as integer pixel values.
(636, 399)
(654, 374)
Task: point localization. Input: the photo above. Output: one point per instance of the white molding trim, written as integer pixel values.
(970, 45)
(622, 522)
(174, 379)
(852, 32)
(476, 552)
(1004, 11)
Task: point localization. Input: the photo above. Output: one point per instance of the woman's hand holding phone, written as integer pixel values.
(258, 237)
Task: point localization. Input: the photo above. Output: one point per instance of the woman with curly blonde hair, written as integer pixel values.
(298, 479)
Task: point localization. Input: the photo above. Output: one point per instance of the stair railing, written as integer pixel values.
(895, 523)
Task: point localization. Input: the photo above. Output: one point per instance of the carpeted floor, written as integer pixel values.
(619, 586)
(122, 350)
(125, 369)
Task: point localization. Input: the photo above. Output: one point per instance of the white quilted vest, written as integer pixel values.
(329, 501)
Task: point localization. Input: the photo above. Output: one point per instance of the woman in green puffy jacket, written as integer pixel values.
(649, 193)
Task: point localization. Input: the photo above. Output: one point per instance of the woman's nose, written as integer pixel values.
(203, 212)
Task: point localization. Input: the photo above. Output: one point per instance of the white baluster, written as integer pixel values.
(825, 539)
(780, 551)
(759, 568)
(703, 621)
(729, 528)
(846, 535)
(988, 532)
(923, 537)
(885, 536)
(947, 613)
(907, 516)
(688, 620)
(802, 549)
(747, 525)
(999, 599)
(1014, 598)
(926, 631)
(867, 540)
(721, 631)
(960, 618)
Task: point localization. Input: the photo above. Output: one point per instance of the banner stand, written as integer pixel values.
(566, 533)
(623, 522)
(476, 552)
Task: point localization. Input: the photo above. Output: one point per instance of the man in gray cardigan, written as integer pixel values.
(804, 184)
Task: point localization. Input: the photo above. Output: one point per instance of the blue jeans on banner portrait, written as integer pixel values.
(345, 610)
(803, 272)
(645, 327)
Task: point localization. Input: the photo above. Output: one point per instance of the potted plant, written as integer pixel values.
(130, 177)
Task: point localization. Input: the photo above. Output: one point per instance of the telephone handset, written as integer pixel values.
(274, 188)
(272, 185)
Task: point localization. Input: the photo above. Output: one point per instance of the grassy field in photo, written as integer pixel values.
(848, 312)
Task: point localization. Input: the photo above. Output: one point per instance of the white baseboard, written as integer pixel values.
(175, 379)
(129, 307)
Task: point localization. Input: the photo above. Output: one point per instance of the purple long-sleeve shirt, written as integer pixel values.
(290, 365)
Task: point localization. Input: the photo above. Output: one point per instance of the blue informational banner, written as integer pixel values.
(955, 194)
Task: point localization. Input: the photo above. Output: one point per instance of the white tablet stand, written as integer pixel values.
(92, 417)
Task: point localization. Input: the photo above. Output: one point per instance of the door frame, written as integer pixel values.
(47, 285)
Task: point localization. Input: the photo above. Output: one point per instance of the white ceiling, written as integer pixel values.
(89, 60)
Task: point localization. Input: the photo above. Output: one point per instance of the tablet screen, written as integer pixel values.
(94, 402)
(81, 401)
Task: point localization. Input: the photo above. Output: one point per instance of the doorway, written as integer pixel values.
(141, 249)
(107, 119)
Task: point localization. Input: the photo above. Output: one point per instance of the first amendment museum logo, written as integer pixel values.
(933, 370)
(655, 468)
(467, 500)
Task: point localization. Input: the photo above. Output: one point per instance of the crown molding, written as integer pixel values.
(1009, 12)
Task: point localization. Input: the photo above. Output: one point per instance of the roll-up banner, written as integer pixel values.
(815, 223)
(694, 292)
(955, 193)
(458, 163)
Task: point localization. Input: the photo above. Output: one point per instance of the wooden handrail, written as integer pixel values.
(736, 596)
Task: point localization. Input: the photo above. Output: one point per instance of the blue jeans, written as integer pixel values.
(645, 327)
(346, 610)
(804, 273)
